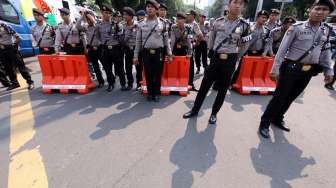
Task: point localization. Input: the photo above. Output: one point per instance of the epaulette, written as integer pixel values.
(220, 18)
(298, 24)
(243, 21)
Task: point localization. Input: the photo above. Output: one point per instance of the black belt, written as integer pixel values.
(153, 51)
(74, 45)
(92, 47)
(225, 56)
(110, 47)
(303, 67)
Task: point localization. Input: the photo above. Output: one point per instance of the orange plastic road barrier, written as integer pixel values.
(65, 73)
(254, 76)
(174, 77)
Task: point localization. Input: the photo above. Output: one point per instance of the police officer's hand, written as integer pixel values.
(274, 77)
(135, 61)
(170, 59)
(328, 79)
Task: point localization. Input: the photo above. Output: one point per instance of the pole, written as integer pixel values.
(282, 7)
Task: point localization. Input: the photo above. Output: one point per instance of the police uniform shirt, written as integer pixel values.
(276, 36)
(7, 33)
(92, 35)
(182, 36)
(75, 32)
(47, 40)
(205, 29)
(158, 39)
(259, 38)
(239, 39)
(196, 31)
(130, 32)
(110, 33)
(299, 39)
(272, 26)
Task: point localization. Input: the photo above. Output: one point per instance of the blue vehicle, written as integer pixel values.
(13, 17)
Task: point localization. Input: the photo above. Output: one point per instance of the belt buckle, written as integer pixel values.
(223, 56)
(2, 47)
(110, 47)
(306, 68)
(73, 45)
(46, 49)
(95, 48)
(179, 46)
(151, 51)
(254, 51)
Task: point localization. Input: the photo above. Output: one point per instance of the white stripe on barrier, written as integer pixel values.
(185, 89)
(47, 86)
(258, 88)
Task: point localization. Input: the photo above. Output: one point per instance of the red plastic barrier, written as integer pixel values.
(174, 77)
(254, 76)
(64, 73)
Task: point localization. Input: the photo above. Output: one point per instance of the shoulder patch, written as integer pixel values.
(298, 24)
(220, 18)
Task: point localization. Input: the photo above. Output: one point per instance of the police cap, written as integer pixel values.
(181, 15)
(141, 13)
(64, 11)
(275, 11)
(107, 8)
(37, 11)
(162, 5)
(289, 20)
(153, 3)
(192, 12)
(328, 3)
(263, 13)
(129, 11)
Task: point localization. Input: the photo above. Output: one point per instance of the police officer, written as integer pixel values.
(277, 34)
(260, 35)
(11, 57)
(333, 48)
(273, 21)
(130, 30)
(181, 37)
(303, 53)
(152, 36)
(201, 48)
(70, 36)
(229, 36)
(43, 33)
(163, 14)
(93, 44)
(110, 36)
(197, 35)
(141, 15)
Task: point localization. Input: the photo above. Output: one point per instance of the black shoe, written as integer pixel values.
(264, 129)
(212, 119)
(149, 98)
(5, 85)
(138, 88)
(31, 86)
(123, 88)
(190, 114)
(198, 71)
(264, 132)
(100, 85)
(110, 88)
(129, 87)
(281, 125)
(156, 99)
(329, 86)
(194, 89)
(13, 86)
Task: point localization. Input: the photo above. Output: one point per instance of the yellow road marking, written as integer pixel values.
(26, 168)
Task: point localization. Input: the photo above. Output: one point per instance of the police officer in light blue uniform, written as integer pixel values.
(304, 52)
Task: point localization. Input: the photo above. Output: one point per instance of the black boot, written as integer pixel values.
(190, 114)
(264, 129)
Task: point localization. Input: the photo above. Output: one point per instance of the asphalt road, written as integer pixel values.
(120, 140)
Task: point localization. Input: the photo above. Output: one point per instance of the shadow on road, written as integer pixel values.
(142, 109)
(196, 151)
(280, 160)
